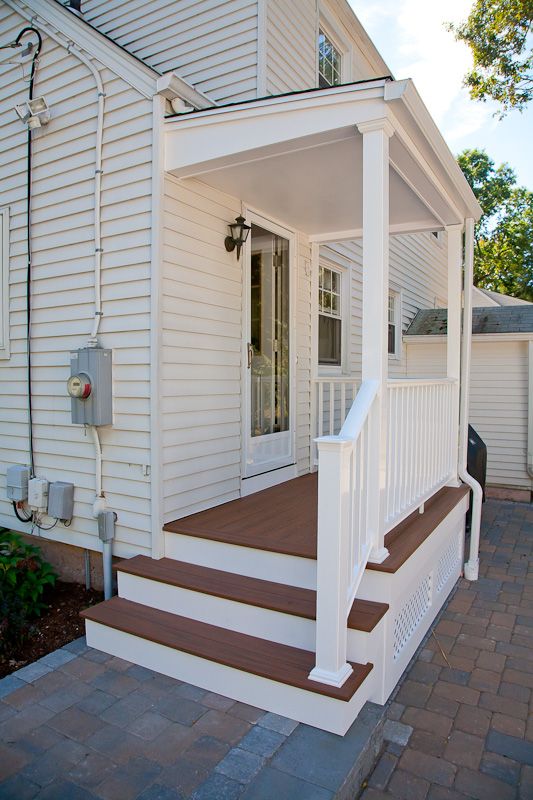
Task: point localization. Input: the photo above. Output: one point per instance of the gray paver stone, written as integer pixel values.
(57, 658)
(262, 741)
(271, 784)
(10, 684)
(18, 788)
(394, 731)
(32, 672)
(218, 787)
(240, 765)
(276, 723)
(510, 746)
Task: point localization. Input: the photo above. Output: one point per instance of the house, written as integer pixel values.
(211, 372)
(500, 384)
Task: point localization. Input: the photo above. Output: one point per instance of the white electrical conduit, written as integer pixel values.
(72, 48)
(472, 565)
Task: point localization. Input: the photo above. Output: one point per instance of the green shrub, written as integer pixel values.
(23, 578)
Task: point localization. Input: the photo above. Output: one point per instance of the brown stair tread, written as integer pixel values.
(364, 615)
(281, 519)
(277, 662)
(407, 537)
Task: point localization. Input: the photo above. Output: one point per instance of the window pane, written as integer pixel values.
(329, 340)
(329, 62)
(392, 339)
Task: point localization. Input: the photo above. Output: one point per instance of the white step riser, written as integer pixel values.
(292, 570)
(308, 707)
(241, 617)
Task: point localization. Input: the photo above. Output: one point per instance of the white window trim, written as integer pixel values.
(337, 369)
(326, 25)
(398, 339)
(4, 283)
(438, 238)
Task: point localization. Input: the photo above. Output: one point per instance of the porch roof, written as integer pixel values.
(298, 158)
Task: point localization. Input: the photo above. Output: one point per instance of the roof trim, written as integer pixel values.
(438, 338)
(406, 92)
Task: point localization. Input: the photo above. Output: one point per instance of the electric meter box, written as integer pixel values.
(90, 386)
(17, 483)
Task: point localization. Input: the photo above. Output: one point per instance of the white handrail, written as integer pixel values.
(359, 411)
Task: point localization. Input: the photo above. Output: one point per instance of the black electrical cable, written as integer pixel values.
(23, 32)
(49, 528)
(18, 516)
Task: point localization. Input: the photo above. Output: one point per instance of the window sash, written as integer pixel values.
(329, 62)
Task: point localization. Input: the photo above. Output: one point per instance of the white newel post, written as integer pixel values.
(453, 340)
(332, 561)
(376, 136)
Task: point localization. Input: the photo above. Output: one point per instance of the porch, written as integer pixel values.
(331, 578)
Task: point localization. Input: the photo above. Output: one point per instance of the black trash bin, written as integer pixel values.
(476, 464)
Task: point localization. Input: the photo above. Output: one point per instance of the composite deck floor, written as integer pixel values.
(283, 519)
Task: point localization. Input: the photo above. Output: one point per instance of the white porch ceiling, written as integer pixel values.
(299, 162)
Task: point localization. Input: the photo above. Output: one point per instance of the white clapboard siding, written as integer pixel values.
(291, 31)
(63, 287)
(201, 350)
(417, 271)
(498, 401)
(209, 43)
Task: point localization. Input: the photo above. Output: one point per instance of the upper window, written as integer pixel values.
(4, 283)
(329, 317)
(394, 324)
(329, 62)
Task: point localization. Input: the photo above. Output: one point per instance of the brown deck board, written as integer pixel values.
(407, 537)
(299, 602)
(282, 519)
(278, 662)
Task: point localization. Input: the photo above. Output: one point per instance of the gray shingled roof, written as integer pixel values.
(503, 299)
(493, 319)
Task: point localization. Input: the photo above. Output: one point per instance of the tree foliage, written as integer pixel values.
(499, 34)
(503, 259)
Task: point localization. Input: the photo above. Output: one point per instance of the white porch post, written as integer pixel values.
(376, 136)
(453, 340)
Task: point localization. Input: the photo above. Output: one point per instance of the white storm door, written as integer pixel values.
(268, 436)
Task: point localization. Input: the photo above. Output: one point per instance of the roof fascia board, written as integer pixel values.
(120, 62)
(405, 92)
(198, 143)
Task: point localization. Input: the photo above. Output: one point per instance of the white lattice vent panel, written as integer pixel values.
(411, 615)
(448, 563)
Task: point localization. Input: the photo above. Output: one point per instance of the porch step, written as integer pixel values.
(275, 662)
(407, 536)
(364, 615)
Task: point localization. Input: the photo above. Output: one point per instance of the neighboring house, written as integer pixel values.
(501, 403)
(204, 372)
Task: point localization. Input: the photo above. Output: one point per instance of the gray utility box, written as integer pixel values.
(95, 364)
(61, 500)
(17, 483)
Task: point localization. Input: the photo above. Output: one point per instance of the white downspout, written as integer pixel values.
(472, 565)
(530, 409)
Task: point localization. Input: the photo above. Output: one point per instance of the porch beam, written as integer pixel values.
(376, 135)
(453, 339)
(357, 233)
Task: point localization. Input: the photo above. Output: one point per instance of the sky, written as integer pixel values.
(413, 41)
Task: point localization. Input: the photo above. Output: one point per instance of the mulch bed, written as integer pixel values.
(58, 625)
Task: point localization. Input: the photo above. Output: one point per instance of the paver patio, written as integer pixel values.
(81, 724)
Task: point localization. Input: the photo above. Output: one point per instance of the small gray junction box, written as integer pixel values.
(90, 386)
(61, 500)
(17, 483)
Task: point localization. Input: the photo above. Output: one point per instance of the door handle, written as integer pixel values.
(250, 349)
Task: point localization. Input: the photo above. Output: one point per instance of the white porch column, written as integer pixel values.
(376, 136)
(453, 339)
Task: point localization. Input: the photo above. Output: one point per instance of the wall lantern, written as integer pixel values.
(34, 113)
(239, 234)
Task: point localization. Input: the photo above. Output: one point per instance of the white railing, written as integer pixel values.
(334, 399)
(421, 444)
(344, 535)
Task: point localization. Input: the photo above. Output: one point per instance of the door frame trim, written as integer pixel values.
(257, 218)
